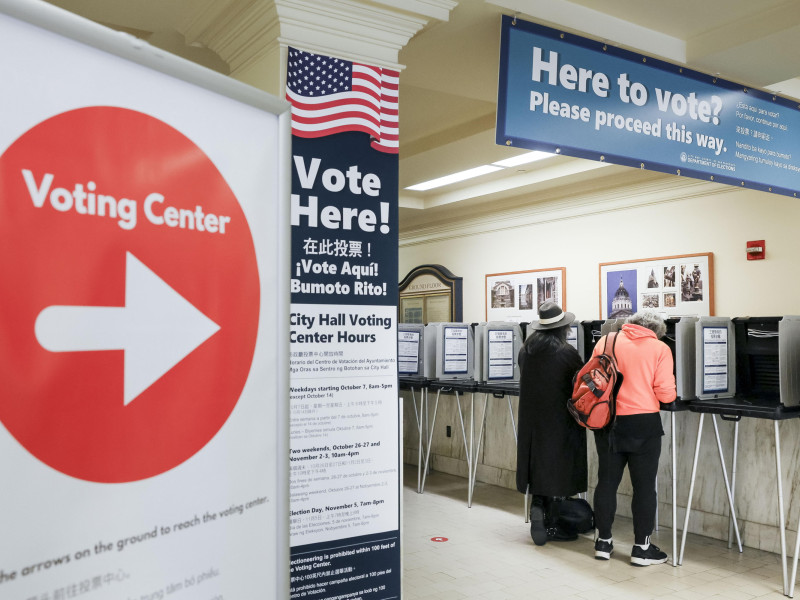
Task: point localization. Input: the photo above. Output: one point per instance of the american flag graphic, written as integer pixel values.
(330, 95)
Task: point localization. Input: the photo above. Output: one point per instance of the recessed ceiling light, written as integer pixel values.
(455, 177)
(522, 159)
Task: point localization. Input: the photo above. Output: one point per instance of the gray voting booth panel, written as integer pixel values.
(789, 359)
(685, 358)
(497, 345)
(575, 336)
(479, 331)
(429, 348)
(715, 358)
(455, 351)
(411, 350)
(611, 325)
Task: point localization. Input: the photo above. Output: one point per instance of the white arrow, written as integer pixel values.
(156, 328)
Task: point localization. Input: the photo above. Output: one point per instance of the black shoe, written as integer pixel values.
(556, 534)
(603, 550)
(652, 556)
(538, 531)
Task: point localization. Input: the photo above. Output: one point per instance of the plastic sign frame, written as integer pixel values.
(570, 95)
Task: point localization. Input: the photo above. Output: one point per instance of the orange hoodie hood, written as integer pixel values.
(635, 332)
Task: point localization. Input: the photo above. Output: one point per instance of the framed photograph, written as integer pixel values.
(516, 296)
(670, 285)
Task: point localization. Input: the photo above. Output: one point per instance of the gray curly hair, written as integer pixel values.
(651, 320)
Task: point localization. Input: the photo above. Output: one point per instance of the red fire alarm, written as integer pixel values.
(756, 250)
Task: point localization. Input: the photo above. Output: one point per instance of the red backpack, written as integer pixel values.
(594, 389)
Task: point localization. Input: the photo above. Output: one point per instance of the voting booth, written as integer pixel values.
(591, 334)
(413, 358)
(680, 338)
(497, 345)
(715, 358)
(575, 335)
(767, 350)
(455, 350)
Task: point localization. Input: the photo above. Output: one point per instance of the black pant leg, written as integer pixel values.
(610, 467)
(643, 469)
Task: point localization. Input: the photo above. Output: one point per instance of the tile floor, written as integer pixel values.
(489, 554)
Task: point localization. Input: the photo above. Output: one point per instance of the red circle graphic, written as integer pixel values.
(59, 248)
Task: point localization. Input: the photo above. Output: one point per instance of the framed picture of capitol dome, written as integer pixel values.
(670, 285)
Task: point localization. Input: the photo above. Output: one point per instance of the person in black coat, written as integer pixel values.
(551, 446)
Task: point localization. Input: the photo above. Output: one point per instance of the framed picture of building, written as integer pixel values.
(670, 285)
(515, 296)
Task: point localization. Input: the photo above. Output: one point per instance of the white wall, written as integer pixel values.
(666, 217)
(715, 219)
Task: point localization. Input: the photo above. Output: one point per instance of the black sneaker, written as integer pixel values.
(538, 530)
(652, 556)
(603, 550)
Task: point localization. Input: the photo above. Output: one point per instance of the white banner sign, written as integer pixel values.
(144, 433)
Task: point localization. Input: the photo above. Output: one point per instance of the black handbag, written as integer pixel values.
(572, 515)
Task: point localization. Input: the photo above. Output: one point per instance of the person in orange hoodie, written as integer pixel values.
(634, 438)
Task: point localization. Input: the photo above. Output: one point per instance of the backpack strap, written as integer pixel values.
(613, 344)
(613, 336)
(587, 379)
(620, 375)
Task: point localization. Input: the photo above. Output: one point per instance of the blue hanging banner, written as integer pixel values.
(570, 95)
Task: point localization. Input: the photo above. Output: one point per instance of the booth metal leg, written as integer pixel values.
(794, 564)
(674, 490)
(796, 555)
(428, 427)
(655, 525)
(418, 415)
(733, 478)
(727, 484)
(513, 423)
(516, 440)
(477, 448)
(466, 449)
(471, 447)
(781, 520)
(691, 488)
(467, 444)
(430, 439)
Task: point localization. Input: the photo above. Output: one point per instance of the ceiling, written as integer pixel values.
(448, 91)
(448, 88)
